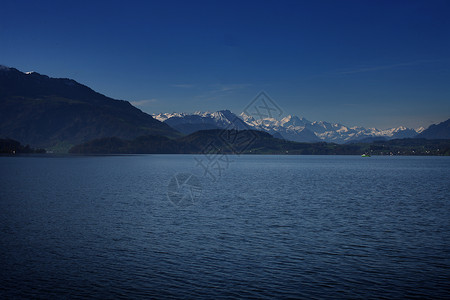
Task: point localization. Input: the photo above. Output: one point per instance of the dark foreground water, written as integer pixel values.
(269, 226)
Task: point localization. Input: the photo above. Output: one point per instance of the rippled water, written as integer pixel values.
(270, 226)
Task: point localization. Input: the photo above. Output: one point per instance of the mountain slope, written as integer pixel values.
(56, 112)
(436, 131)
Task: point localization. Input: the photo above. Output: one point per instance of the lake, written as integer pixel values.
(161, 226)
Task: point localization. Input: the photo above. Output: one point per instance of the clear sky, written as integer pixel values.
(369, 63)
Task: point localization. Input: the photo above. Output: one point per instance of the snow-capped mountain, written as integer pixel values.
(291, 128)
(189, 123)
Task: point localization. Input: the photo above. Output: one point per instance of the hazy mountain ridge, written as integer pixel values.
(437, 131)
(256, 142)
(291, 127)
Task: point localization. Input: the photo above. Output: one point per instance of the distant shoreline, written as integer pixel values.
(210, 142)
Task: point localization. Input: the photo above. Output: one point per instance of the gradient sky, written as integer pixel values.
(368, 63)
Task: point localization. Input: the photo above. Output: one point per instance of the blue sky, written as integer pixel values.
(368, 63)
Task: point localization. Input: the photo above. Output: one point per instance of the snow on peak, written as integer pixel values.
(164, 116)
(420, 129)
(295, 121)
(247, 119)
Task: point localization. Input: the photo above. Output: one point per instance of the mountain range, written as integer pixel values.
(58, 113)
(292, 128)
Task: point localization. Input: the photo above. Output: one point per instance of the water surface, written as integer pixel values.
(269, 226)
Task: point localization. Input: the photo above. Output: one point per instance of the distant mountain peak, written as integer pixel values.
(292, 120)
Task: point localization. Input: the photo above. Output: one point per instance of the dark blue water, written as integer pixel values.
(269, 226)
